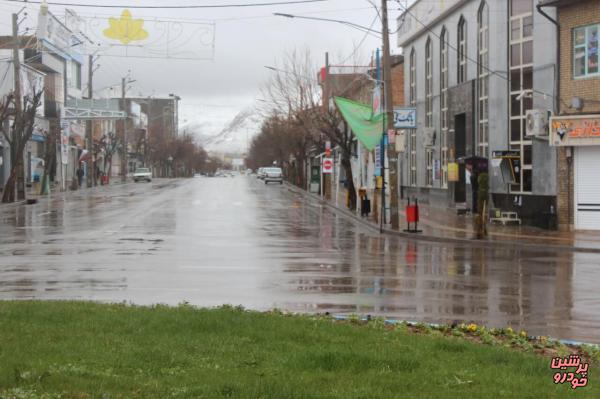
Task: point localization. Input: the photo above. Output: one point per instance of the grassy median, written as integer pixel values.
(87, 350)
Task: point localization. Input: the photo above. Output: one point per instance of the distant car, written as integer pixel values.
(273, 175)
(260, 173)
(142, 174)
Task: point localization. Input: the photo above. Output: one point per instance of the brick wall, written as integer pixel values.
(398, 84)
(580, 13)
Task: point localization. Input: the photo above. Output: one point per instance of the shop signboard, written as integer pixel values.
(453, 172)
(405, 118)
(64, 141)
(575, 130)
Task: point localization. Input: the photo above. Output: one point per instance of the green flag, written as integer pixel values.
(366, 127)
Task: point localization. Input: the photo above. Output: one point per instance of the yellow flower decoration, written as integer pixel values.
(472, 327)
(126, 29)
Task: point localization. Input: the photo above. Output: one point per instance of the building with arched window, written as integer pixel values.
(480, 68)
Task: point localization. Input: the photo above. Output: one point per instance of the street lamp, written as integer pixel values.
(365, 29)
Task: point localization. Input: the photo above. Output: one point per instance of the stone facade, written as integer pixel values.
(539, 196)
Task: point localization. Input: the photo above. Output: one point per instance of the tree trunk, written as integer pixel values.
(349, 182)
(9, 193)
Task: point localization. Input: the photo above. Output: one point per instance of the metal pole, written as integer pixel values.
(18, 130)
(91, 176)
(125, 122)
(389, 110)
(381, 155)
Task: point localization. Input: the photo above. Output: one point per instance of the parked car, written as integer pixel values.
(273, 175)
(260, 173)
(142, 174)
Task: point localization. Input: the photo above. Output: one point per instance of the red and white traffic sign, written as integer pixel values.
(327, 165)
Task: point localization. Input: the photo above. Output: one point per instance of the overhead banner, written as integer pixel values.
(368, 128)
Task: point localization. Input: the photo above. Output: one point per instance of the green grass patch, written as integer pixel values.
(88, 350)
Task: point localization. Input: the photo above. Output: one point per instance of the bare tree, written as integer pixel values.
(18, 135)
(293, 92)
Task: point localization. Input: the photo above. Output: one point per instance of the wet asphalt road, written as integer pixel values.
(211, 241)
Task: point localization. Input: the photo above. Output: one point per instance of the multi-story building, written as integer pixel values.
(576, 130)
(474, 70)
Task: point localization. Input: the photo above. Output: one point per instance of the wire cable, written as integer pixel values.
(131, 6)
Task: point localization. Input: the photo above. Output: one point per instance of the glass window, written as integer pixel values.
(515, 130)
(528, 26)
(528, 52)
(515, 80)
(462, 50)
(515, 54)
(527, 156)
(585, 51)
(528, 78)
(519, 7)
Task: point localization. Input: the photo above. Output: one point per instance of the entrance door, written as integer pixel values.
(587, 189)
(460, 143)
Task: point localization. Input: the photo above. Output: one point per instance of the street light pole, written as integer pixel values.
(389, 111)
(91, 177)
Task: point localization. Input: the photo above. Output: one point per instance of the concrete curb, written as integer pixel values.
(441, 239)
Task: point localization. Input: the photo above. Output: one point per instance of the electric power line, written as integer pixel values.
(361, 42)
(274, 3)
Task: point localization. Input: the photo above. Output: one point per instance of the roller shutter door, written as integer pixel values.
(587, 188)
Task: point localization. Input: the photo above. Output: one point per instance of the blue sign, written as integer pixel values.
(378, 160)
(405, 118)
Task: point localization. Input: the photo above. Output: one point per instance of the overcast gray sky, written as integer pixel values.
(245, 40)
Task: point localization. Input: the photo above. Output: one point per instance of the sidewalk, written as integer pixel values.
(443, 225)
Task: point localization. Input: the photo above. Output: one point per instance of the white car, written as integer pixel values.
(142, 174)
(273, 175)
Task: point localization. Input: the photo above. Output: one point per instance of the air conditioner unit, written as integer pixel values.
(428, 137)
(536, 123)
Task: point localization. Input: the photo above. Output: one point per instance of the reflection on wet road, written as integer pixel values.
(211, 241)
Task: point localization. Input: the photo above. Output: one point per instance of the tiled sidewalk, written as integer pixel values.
(444, 224)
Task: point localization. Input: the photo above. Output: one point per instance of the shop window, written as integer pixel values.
(585, 51)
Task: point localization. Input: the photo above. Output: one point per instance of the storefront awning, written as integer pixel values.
(359, 117)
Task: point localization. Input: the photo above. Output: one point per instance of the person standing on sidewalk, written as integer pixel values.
(80, 174)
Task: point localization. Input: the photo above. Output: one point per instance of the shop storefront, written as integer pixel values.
(581, 136)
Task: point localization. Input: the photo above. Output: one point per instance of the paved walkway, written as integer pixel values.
(444, 224)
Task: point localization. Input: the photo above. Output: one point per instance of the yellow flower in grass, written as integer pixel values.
(126, 29)
(523, 334)
(472, 327)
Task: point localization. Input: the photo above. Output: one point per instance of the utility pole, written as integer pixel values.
(125, 122)
(18, 125)
(89, 141)
(389, 110)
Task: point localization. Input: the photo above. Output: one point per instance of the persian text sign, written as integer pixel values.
(64, 142)
(405, 118)
(578, 130)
